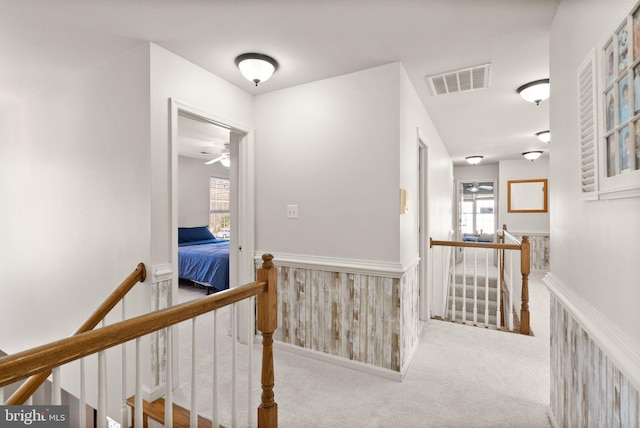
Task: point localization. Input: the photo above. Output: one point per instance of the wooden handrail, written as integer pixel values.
(473, 244)
(26, 390)
(46, 357)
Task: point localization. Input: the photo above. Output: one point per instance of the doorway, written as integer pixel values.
(476, 210)
(425, 291)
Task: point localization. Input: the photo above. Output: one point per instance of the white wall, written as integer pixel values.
(594, 243)
(177, 78)
(74, 167)
(75, 180)
(477, 172)
(193, 190)
(331, 147)
(415, 123)
(523, 170)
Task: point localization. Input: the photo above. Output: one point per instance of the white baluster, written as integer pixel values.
(194, 378)
(453, 287)
(464, 285)
(82, 413)
(499, 290)
(510, 309)
(215, 416)
(234, 374)
(486, 289)
(56, 396)
(124, 414)
(168, 383)
(475, 286)
(102, 389)
(138, 399)
(250, 333)
(2, 394)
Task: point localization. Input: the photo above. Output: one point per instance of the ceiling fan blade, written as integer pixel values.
(485, 187)
(212, 161)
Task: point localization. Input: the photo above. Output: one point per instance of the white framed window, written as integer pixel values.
(219, 215)
(617, 157)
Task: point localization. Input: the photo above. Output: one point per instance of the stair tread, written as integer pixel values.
(181, 416)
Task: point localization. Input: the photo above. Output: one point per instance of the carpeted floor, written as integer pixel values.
(460, 376)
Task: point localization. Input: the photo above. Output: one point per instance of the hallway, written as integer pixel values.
(460, 376)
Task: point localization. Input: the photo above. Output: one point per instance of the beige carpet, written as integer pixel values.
(460, 376)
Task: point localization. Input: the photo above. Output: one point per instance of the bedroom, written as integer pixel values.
(204, 219)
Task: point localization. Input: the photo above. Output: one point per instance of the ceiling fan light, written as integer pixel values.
(535, 91)
(533, 155)
(256, 67)
(544, 136)
(225, 162)
(474, 160)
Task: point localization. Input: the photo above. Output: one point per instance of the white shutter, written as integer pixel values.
(587, 110)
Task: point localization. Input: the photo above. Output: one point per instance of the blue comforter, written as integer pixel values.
(205, 263)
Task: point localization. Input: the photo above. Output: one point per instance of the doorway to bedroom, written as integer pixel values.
(214, 142)
(204, 202)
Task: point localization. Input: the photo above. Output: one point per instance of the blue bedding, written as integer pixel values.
(206, 263)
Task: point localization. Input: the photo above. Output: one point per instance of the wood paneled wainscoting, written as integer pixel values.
(356, 317)
(595, 374)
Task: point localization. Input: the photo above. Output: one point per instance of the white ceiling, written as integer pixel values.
(44, 42)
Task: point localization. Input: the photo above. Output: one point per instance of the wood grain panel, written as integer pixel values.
(361, 317)
(587, 389)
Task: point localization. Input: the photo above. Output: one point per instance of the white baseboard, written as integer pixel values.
(151, 394)
(339, 361)
(619, 348)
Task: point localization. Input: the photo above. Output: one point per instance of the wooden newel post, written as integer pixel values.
(267, 323)
(525, 267)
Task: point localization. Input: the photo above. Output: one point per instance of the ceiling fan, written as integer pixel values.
(474, 187)
(224, 158)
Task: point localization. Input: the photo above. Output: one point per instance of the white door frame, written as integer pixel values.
(242, 209)
(241, 177)
(425, 285)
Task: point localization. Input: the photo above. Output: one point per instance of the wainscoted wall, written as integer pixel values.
(160, 299)
(365, 317)
(587, 388)
(539, 249)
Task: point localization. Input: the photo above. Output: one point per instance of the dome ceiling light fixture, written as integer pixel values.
(533, 155)
(474, 160)
(535, 91)
(255, 67)
(544, 136)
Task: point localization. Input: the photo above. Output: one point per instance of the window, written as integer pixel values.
(476, 209)
(219, 217)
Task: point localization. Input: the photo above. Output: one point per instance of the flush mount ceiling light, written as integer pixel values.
(544, 136)
(256, 67)
(474, 160)
(535, 91)
(532, 155)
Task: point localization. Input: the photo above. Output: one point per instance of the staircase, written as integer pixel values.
(155, 411)
(464, 295)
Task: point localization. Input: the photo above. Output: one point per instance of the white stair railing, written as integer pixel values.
(53, 356)
(474, 284)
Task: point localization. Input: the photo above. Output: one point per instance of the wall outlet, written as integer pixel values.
(292, 211)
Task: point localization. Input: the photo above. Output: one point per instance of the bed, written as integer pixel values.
(202, 258)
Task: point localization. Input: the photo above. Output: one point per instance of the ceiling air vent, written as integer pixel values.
(465, 79)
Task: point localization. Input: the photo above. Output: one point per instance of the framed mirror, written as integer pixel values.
(527, 196)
